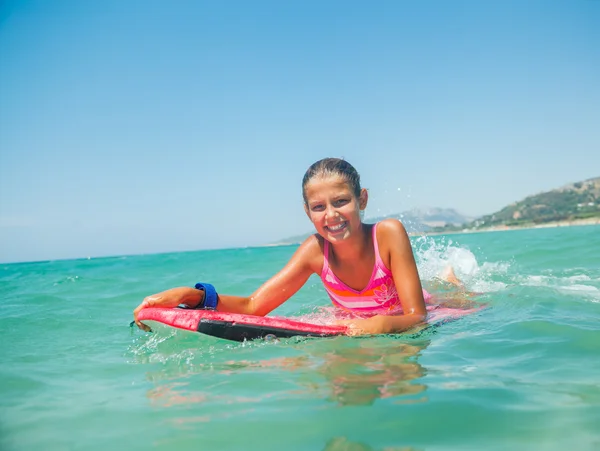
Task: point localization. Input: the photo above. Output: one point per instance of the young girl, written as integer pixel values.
(367, 269)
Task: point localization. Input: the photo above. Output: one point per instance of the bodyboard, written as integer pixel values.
(238, 327)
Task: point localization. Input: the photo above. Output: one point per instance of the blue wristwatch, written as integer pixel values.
(211, 298)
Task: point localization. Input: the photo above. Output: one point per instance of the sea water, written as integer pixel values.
(522, 374)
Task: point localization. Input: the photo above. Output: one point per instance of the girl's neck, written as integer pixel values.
(355, 247)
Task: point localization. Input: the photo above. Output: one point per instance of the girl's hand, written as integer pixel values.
(169, 299)
(370, 326)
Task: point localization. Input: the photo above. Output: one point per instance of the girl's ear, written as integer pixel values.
(363, 199)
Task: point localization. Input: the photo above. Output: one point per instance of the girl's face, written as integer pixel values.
(333, 208)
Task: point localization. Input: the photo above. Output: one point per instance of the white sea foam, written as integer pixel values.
(567, 285)
(555, 281)
(579, 278)
(486, 286)
(588, 289)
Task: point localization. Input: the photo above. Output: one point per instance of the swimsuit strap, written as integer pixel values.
(325, 258)
(378, 260)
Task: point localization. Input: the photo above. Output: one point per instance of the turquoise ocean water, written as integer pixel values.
(522, 374)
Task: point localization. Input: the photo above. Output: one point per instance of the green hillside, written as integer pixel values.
(575, 201)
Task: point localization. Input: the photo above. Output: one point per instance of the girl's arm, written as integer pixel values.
(404, 268)
(268, 297)
(396, 249)
(278, 288)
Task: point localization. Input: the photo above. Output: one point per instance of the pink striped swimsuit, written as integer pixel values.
(379, 297)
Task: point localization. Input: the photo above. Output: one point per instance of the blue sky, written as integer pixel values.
(148, 126)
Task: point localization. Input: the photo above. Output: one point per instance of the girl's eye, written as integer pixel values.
(340, 202)
(317, 208)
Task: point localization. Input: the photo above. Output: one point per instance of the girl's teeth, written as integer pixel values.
(337, 227)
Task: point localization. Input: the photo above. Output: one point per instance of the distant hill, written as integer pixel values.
(425, 219)
(415, 221)
(575, 201)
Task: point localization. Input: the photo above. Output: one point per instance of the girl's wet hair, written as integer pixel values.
(328, 167)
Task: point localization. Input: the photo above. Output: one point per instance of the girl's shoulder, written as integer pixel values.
(390, 227)
(314, 242)
(391, 235)
(312, 251)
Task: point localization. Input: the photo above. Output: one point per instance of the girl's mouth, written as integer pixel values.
(339, 227)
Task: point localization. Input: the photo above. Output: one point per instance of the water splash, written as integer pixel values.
(435, 256)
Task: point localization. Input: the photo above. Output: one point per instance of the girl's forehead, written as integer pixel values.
(326, 183)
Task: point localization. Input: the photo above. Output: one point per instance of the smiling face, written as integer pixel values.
(333, 207)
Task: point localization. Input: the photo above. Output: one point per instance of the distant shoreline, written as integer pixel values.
(504, 228)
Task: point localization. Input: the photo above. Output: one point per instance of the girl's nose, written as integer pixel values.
(330, 211)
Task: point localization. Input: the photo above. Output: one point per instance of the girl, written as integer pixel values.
(367, 269)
